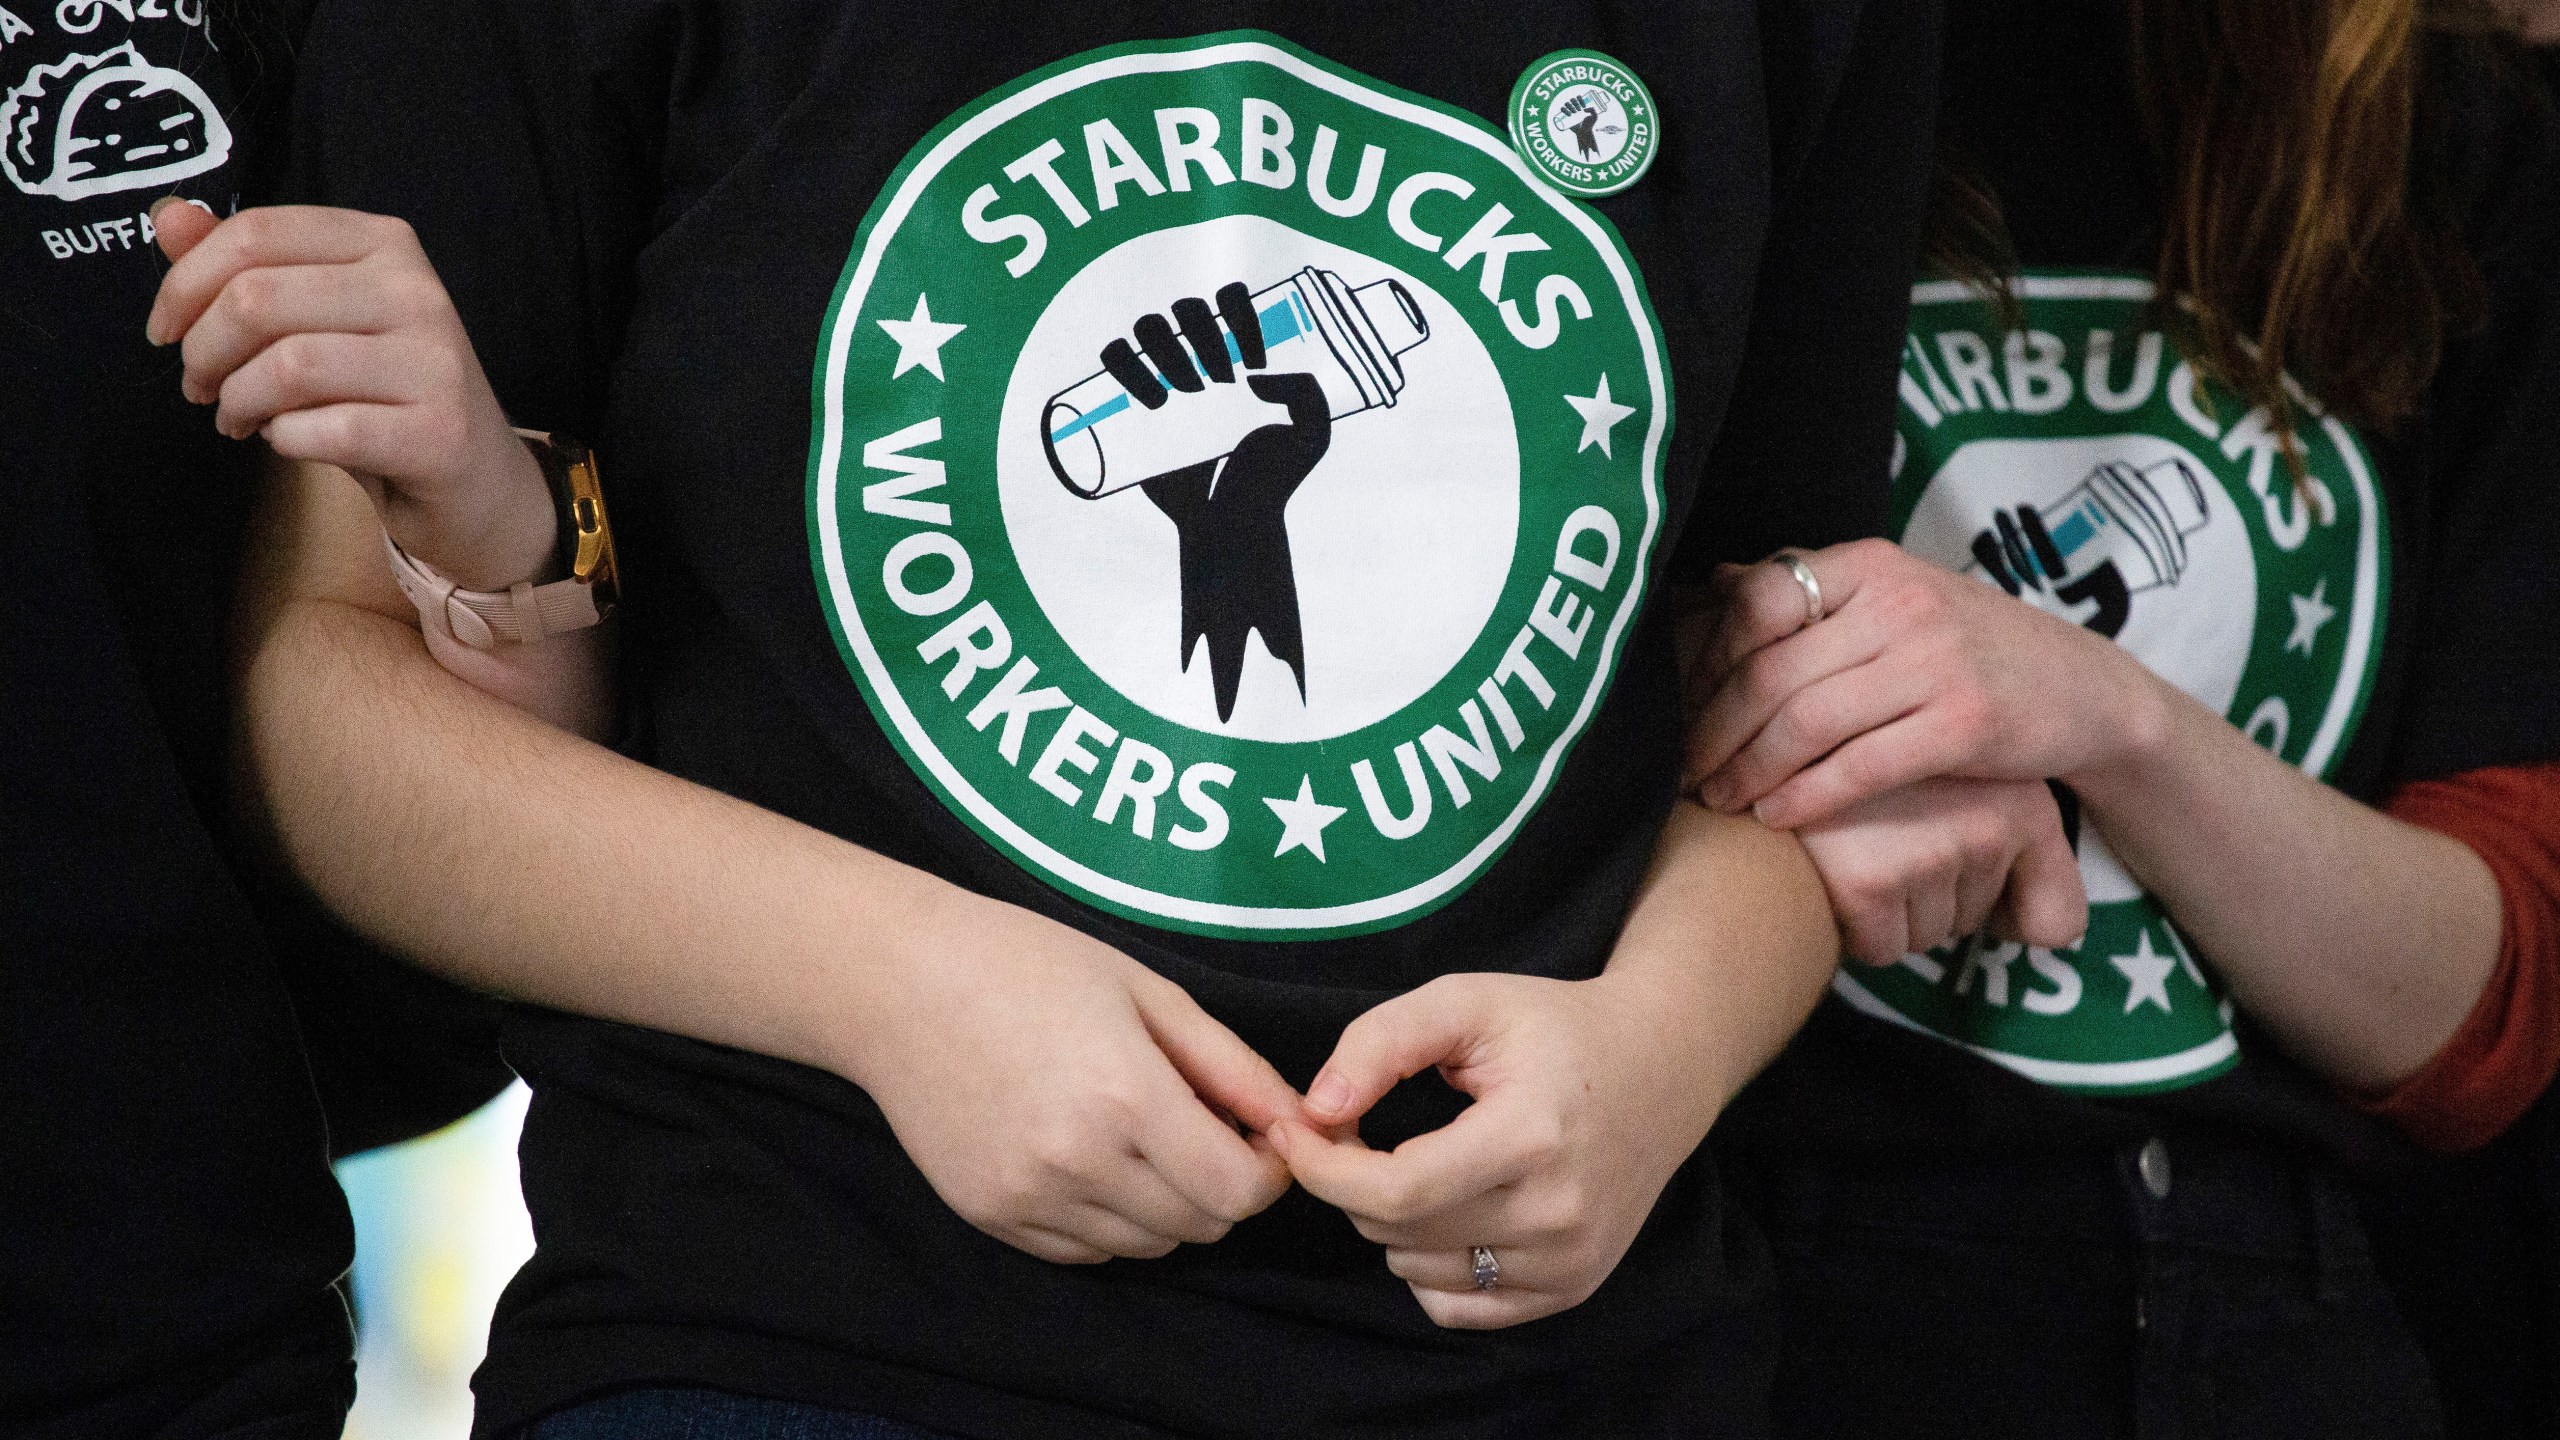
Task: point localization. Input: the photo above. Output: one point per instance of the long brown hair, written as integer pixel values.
(2297, 230)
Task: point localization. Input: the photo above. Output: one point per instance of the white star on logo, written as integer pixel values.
(1600, 415)
(920, 340)
(1302, 820)
(2310, 612)
(2147, 970)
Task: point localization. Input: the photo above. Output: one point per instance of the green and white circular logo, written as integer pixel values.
(2080, 464)
(1232, 481)
(1585, 121)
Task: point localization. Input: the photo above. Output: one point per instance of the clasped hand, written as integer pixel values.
(1583, 1107)
(326, 333)
(1905, 737)
(1072, 1103)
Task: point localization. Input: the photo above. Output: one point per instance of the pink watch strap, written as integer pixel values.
(522, 614)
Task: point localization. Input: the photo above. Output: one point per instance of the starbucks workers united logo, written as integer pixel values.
(2079, 463)
(1585, 121)
(1233, 480)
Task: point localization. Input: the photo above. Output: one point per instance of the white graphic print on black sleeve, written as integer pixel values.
(105, 107)
(95, 124)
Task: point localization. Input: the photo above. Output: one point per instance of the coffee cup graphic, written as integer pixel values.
(2120, 531)
(1099, 439)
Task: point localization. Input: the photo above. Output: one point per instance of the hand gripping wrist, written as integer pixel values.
(525, 613)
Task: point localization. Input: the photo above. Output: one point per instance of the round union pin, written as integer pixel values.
(1585, 122)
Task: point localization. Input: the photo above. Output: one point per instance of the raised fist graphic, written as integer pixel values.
(1231, 512)
(1182, 410)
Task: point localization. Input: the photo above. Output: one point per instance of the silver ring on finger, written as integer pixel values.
(1805, 582)
(1488, 1270)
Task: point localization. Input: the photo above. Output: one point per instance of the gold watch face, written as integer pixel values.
(570, 470)
(594, 564)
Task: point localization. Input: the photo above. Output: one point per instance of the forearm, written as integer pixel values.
(567, 680)
(1057, 1095)
(2362, 942)
(504, 853)
(1729, 946)
(508, 854)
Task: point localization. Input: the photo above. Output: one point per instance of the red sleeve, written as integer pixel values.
(2507, 1050)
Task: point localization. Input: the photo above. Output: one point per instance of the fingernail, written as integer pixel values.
(1329, 1094)
(2079, 941)
(163, 203)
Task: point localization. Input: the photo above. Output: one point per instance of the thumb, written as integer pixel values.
(180, 226)
(1402, 1037)
(1219, 1067)
(2045, 904)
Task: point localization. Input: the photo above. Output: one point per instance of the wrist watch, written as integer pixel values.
(525, 612)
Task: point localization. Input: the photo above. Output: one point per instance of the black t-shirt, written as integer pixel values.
(1169, 467)
(2390, 619)
(172, 1230)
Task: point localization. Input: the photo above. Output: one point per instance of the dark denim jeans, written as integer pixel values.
(2212, 1293)
(688, 1414)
